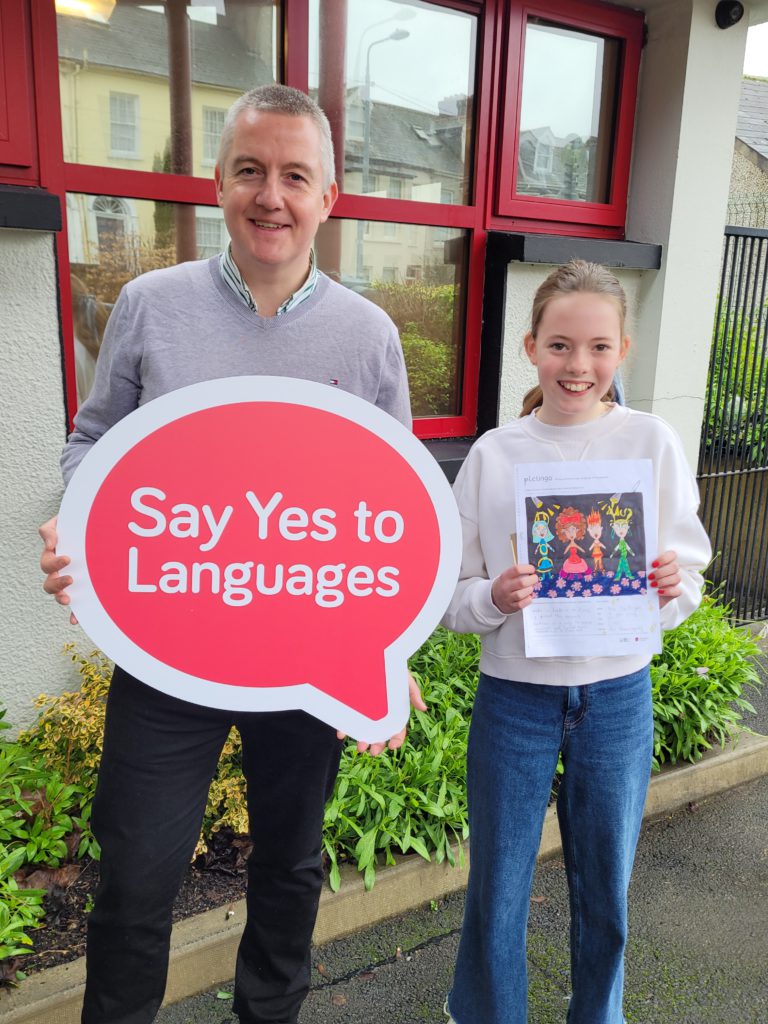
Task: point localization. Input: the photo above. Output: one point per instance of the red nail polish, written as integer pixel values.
(654, 583)
(662, 591)
(655, 565)
(651, 575)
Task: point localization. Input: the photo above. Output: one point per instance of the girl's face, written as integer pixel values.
(571, 531)
(576, 352)
(621, 528)
(595, 530)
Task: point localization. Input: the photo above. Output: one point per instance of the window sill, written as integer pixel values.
(449, 454)
(512, 247)
(32, 209)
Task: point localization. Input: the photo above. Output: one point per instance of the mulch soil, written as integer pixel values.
(214, 879)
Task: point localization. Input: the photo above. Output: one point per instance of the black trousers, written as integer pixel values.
(160, 754)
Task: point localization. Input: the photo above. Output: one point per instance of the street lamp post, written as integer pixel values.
(394, 37)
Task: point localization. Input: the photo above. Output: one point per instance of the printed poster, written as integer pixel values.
(589, 529)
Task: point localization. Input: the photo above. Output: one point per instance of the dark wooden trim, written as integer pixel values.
(557, 249)
(31, 208)
(449, 453)
(497, 258)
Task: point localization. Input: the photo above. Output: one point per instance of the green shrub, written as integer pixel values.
(414, 799)
(738, 387)
(424, 315)
(68, 733)
(38, 812)
(699, 680)
(430, 374)
(20, 909)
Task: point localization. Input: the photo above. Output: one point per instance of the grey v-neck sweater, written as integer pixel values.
(182, 325)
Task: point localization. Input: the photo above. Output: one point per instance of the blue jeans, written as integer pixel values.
(605, 732)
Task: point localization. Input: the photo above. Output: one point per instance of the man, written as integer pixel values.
(261, 307)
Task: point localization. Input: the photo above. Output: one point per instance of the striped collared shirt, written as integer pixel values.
(232, 277)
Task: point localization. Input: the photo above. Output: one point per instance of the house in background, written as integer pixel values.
(748, 200)
(478, 143)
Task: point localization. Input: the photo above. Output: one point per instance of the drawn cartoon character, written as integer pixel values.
(541, 535)
(620, 520)
(571, 526)
(595, 530)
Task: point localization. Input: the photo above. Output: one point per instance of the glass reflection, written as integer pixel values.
(112, 240)
(570, 85)
(417, 274)
(146, 87)
(401, 107)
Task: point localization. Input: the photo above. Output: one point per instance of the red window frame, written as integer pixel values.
(620, 23)
(18, 143)
(498, 61)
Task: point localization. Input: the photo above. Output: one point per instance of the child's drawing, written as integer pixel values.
(580, 561)
(620, 520)
(541, 535)
(571, 526)
(595, 530)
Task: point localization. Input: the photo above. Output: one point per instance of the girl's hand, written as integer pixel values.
(513, 589)
(664, 577)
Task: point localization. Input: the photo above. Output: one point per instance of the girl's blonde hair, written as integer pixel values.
(574, 276)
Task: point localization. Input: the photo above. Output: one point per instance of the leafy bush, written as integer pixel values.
(38, 814)
(698, 684)
(737, 392)
(430, 373)
(68, 733)
(427, 308)
(424, 315)
(414, 799)
(20, 909)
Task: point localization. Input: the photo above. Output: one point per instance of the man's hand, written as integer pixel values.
(513, 589)
(664, 577)
(374, 749)
(52, 564)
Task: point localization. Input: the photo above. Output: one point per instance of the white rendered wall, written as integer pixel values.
(32, 425)
(687, 108)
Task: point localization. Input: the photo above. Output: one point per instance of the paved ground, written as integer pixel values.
(698, 952)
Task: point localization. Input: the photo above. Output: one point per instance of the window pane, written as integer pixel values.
(419, 279)
(112, 240)
(116, 88)
(570, 86)
(401, 103)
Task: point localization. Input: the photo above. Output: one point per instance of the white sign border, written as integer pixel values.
(124, 435)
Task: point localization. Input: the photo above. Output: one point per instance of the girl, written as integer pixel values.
(541, 535)
(571, 526)
(597, 711)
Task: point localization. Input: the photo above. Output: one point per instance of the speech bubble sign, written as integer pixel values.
(264, 543)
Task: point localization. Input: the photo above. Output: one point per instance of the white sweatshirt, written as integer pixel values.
(485, 493)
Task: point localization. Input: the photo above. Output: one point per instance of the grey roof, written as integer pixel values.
(752, 123)
(136, 39)
(404, 138)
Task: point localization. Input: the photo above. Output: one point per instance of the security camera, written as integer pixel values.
(728, 12)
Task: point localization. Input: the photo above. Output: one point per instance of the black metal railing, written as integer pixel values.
(733, 457)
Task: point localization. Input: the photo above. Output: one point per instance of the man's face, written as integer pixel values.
(270, 188)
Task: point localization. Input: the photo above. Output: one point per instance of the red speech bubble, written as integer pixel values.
(261, 543)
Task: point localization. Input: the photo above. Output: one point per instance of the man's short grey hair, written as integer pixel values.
(281, 99)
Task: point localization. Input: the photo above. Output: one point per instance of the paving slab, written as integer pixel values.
(697, 951)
